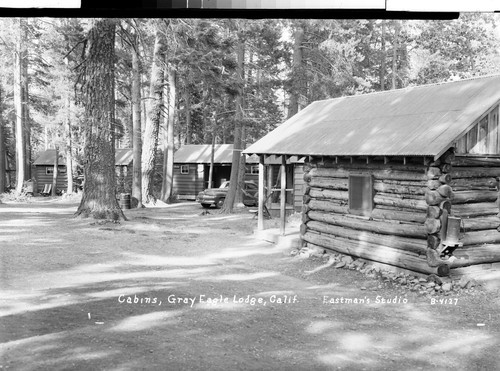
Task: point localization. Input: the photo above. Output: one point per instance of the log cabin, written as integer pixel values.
(407, 177)
(192, 169)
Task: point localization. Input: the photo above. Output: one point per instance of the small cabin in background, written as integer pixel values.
(123, 169)
(44, 170)
(407, 178)
(192, 169)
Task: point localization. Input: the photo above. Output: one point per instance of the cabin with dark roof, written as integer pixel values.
(407, 178)
(192, 169)
(44, 170)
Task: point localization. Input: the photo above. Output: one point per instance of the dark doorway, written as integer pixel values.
(220, 175)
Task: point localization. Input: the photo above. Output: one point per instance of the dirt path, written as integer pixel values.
(172, 289)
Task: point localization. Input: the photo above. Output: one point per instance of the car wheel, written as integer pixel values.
(206, 206)
(220, 202)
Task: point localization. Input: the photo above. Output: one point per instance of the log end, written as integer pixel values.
(443, 270)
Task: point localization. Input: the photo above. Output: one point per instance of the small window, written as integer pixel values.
(360, 194)
(184, 169)
(252, 169)
(50, 170)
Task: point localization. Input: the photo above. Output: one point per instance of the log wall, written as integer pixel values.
(298, 186)
(412, 202)
(395, 233)
(475, 199)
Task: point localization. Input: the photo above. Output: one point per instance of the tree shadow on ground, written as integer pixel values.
(124, 303)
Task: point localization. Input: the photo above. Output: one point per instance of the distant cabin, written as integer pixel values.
(192, 168)
(407, 178)
(123, 169)
(44, 170)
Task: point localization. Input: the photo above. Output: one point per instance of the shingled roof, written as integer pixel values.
(201, 153)
(416, 121)
(223, 154)
(48, 156)
(123, 156)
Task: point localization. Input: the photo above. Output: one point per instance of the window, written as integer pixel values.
(360, 194)
(50, 170)
(252, 169)
(184, 169)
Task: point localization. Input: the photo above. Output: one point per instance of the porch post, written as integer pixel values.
(270, 184)
(283, 196)
(262, 200)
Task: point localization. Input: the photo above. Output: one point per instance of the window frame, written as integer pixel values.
(183, 171)
(49, 170)
(361, 211)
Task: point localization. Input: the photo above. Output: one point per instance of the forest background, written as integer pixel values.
(202, 81)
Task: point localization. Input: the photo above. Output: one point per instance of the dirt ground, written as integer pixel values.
(176, 289)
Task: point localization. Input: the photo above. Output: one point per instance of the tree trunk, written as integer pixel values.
(137, 131)
(168, 166)
(155, 103)
(395, 48)
(212, 154)
(238, 118)
(26, 116)
(241, 173)
(2, 148)
(99, 191)
(295, 92)
(18, 103)
(55, 173)
(383, 56)
(69, 144)
(187, 102)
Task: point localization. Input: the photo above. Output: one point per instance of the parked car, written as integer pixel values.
(216, 196)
